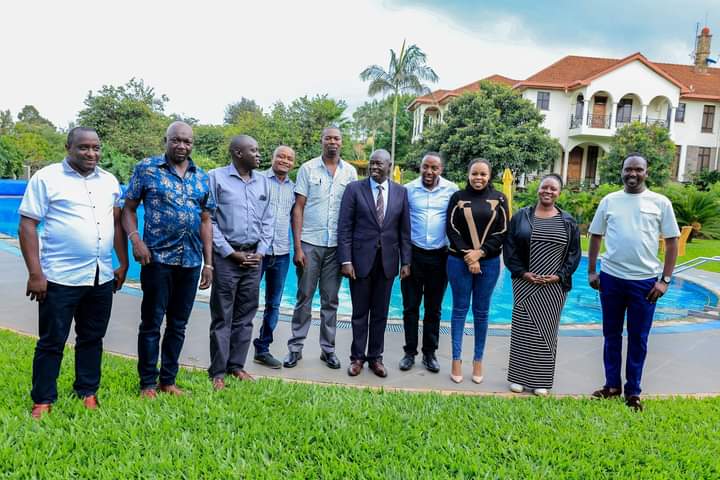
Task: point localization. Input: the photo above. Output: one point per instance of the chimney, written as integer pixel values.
(702, 50)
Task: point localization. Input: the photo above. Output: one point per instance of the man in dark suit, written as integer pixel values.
(373, 240)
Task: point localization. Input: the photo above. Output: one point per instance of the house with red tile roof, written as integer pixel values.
(586, 99)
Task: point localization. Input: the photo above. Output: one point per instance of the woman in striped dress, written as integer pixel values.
(542, 251)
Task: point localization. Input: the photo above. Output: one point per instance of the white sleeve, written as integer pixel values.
(668, 224)
(301, 182)
(599, 222)
(35, 201)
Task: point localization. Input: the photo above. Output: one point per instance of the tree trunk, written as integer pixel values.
(394, 127)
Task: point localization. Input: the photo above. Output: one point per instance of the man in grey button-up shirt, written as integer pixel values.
(242, 232)
(276, 261)
(319, 188)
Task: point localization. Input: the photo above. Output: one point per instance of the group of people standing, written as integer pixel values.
(230, 227)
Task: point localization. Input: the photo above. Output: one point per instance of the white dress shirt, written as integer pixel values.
(78, 224)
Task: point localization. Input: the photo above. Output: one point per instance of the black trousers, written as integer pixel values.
(168, 293)
(429, 279)
(371, 301)
(91, 307)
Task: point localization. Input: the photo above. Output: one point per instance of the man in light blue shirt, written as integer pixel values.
(319, 188)
(276, 261)
(428, 196)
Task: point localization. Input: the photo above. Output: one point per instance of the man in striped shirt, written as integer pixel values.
(277, 258)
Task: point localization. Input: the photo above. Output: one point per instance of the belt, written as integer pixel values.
(245, 247)
(442, 250)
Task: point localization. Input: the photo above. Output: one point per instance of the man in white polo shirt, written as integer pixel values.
(71, 274)
(631, 278)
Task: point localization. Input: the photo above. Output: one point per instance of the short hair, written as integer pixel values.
(434, 154)
(480, 160)
(277, 149)
(74, 131)
(554, 176)
(330, 127)
(636, 154)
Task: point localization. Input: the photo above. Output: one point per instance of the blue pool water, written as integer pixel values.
(582, 307)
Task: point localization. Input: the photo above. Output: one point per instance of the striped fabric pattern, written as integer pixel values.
(537, 308)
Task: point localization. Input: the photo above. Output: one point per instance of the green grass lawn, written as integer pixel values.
(271, 429)
(697, 248)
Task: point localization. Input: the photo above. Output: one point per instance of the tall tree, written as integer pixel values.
(373, 120)
(405, 74)
(235, 109)
(6, 122)
(652, 141)
(129, 117)
(30, 115)
(494, 123)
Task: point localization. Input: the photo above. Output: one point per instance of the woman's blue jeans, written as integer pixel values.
(464, 286)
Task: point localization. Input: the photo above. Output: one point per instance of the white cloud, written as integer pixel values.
(206, 55)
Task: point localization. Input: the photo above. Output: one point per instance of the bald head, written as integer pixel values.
(379, 165)
(245, 153)
(178, 142)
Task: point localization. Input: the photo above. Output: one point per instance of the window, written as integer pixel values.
(624, 110)
(703, 158)
(543, 100)
(680, 113)
(708, 119)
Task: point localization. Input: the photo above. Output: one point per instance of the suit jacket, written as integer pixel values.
(360, 235)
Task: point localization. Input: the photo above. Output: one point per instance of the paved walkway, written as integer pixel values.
(678, 363)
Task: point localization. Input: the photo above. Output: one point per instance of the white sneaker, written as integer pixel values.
(541, 392)
(516, 388)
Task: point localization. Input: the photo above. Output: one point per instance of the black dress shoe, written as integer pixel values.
(431, 363)
(407, 362)
(330, 359)
(633, 401)
(291, 359)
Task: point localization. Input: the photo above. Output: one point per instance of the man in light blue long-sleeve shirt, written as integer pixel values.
(242, 232)
(428, 197)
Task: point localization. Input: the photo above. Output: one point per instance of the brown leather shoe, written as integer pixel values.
(149, 393)
(39, 408)
(355, 368)
(172, 390)
(218, 383)
(242, 375)
(378, 368)
(91, 402)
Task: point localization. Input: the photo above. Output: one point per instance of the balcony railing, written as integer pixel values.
(622, 121)
(661, 122)
(598, 121)
(575, 122)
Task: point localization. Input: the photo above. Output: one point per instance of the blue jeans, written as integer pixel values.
(168, 292)
(275, 269)
(618, 296)
(465, 285)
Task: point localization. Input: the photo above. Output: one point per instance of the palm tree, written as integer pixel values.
(404, 75)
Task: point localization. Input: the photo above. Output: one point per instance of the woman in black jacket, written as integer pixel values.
(542, 251)
(476, 224)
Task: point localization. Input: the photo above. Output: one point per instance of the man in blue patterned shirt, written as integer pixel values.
(176, 237)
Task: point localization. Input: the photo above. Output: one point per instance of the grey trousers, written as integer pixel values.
(233, 304)
(321, 266)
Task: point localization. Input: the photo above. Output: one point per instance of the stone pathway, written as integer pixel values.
(677, 363)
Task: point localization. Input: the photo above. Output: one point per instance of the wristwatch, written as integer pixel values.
(666, 279)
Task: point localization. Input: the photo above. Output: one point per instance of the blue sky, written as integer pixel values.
(619, 26)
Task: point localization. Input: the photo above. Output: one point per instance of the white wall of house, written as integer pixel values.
(652, 94)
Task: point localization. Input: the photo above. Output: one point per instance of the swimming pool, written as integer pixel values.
(582, 306)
